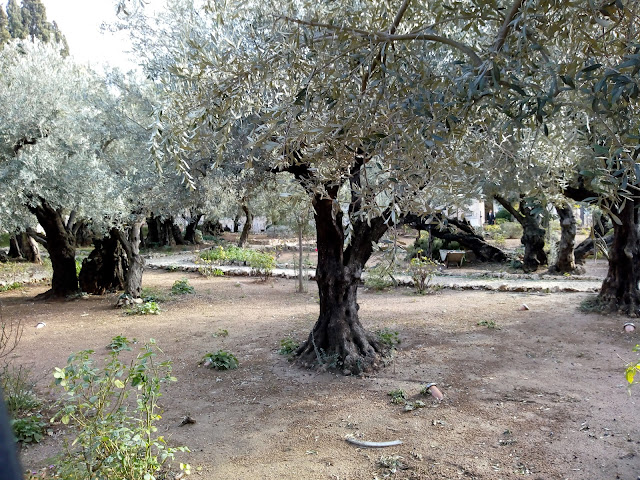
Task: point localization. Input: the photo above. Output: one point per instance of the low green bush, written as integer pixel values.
(511, 229)
(112, 413)
(220, 360)
(182, 287)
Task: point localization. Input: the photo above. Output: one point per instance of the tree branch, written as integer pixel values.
(509, 208)
(42, 240)
(506, 25)
(387, 37)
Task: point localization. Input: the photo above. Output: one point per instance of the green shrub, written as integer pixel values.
(398, 396)
(422, 271)
(220, 360)
(29, 429)
(389, 338)
(262, 264)
(115, 436)
(503, 215)
(288, 345)
(146, 308)
(182, 287)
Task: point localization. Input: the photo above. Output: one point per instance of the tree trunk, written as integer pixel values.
(244, 236)
(532, 233)
(211, 227)
(236, 223)
(29, 248)
(565, 261)
(462, 232)
(61, 248)
(338, 339)
(131, 245)
(190, 232)
(619, 290)
(106, 267)
(14, 247)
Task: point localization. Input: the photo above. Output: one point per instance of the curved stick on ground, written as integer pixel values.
(362, 443)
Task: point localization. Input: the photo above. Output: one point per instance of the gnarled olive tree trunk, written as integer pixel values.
(163, 232)
(190, 231)
(619, 290)
(61, 247)
(131, 244)
(565, 261)
(244, 236)
(338, 339)
(532, 232)
(105, 268)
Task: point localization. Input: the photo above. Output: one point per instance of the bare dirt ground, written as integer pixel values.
(542, 396)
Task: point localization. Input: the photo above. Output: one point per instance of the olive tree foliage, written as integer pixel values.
(51, 144)
(355, 100)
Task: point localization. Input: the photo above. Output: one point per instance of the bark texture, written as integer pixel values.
(29, 248)
(565, 261)
(588, 247)
(14, 247)
(532, 233)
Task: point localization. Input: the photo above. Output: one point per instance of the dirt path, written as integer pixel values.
(540, 396)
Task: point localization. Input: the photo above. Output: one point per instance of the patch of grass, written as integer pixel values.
(182, 287)
(220, 360)
(262, 263)
(10, 286)
(488, 324)
(222, 332)
(288, 345)
(18, 390)
(146, 308)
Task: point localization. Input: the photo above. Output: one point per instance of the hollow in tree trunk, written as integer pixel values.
(619, 291)
(106, 267)
(62, 251)
(338, 339)
(244, 236)
(565, 261)
(532, 233)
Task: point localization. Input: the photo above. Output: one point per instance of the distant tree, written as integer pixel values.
(16, 25)
(34, 19)
(5, 36)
